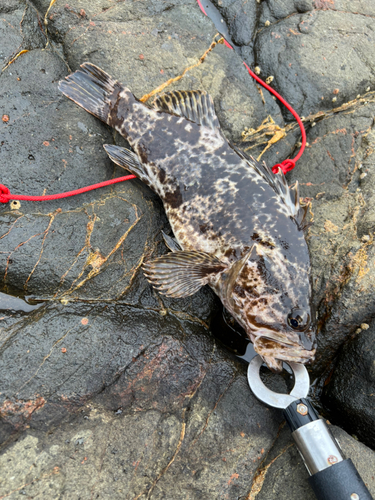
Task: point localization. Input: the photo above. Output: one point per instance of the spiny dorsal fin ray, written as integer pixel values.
(180, 274)
(171, 243)
(195, 105)
(290, 196)
(261, 168)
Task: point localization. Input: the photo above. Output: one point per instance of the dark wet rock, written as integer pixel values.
(48, 147)
(335, 173)
(241, 18)
(108, 387)
(350, 393)
(146, 452)
(317, 57)
(21, 29)
(41, 5)
(275, 10)
(183, 35)
(186, 409)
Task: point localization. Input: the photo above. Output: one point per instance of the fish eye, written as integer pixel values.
(293, 322)
(298, 320)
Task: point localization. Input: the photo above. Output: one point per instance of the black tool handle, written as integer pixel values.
(331, 476)
(300, 413)
(340, 481)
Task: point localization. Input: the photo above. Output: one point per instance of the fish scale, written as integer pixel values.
(239, 227)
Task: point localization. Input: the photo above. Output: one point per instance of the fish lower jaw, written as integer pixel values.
(271, 336)
(275, 351)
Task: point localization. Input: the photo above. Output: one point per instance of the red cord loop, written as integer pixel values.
(285, 166)
(4, 194)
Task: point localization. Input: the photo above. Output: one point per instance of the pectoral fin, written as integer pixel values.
(126, 159)
(171, 243)
(180, 274)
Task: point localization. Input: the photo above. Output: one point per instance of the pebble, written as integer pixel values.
(15, 205)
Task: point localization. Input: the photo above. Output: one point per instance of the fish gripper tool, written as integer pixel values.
(332, 477)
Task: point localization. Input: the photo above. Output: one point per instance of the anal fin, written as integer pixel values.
(180, 274)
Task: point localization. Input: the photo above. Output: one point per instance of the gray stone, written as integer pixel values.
(21, 29)
(330, 174)
(361, 7)
(317, 57)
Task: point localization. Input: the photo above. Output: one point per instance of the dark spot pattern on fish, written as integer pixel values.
(161, 175)
(173, 199)
(143, 153)
(118, 109)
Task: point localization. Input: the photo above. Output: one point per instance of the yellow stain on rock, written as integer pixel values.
(359, 262)
(330, 227)
(14, 58)
(260, 135)
(95, 260)
(161, 87)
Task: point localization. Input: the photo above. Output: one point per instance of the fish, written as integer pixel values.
(237, 226)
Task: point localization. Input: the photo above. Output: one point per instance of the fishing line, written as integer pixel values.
(285, 166)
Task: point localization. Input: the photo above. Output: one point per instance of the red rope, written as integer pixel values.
(285, 166)
(289, 163)
(5, 194)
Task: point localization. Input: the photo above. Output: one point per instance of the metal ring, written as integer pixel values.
(275, 399)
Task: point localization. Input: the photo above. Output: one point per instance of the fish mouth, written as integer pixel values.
(275, 348)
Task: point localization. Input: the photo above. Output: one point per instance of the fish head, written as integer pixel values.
(270, 297)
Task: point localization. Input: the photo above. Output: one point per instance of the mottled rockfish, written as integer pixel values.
(237, 226)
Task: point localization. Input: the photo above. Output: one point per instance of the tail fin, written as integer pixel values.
(92, 89)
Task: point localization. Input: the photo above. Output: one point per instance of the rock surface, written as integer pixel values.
(350, 391)
(107, 389)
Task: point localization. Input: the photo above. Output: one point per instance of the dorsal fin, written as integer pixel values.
(290, 196)
(261, 168)
(195, 105)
